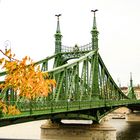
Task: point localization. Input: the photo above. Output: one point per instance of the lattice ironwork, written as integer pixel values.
(76, 48)
(84, 88)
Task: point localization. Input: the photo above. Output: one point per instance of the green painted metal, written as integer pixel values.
(84, 89)
(58, 36)
(131, 93)
(94, 32)
(3, 73)
(50, 110)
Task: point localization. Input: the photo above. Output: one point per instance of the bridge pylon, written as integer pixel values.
(58, 36)
(58, 45)
(131, 93)
(95, 62)
(94, 32)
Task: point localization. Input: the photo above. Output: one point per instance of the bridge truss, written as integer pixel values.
(84, 89)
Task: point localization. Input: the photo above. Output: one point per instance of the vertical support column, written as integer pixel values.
(12, 96)
(58, 36)
(131, 93)
(94, 32)
(58, 44)
(77, 82)
(95, 78)
(95, 63)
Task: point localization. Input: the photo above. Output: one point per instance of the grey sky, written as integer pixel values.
(30, 26)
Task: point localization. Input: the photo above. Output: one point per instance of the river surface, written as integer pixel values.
(126, 130)
(31, 130)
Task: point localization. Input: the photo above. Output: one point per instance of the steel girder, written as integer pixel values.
(94, 110)
(83, 80)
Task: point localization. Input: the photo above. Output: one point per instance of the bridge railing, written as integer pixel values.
(71, 105)
(48, 107)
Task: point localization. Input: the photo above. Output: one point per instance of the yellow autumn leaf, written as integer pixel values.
(12, 110)
(28, 80)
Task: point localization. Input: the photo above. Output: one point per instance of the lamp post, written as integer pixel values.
(7, 44)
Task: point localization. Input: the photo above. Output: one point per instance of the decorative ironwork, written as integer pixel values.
(76, 48)
(83, 85)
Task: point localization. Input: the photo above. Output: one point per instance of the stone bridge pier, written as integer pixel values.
(54, 131)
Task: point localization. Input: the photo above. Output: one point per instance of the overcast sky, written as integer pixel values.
(30, 25)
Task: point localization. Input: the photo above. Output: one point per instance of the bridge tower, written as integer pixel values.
(131, 93)
(58, 36)
(95, 63)
(94, 32)
(58, 45)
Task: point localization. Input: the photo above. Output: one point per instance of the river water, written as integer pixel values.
(126, 130)
(31, 130)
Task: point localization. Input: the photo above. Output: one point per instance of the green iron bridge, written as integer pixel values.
(84, 90)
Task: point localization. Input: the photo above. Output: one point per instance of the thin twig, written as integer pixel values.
(9, 57)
